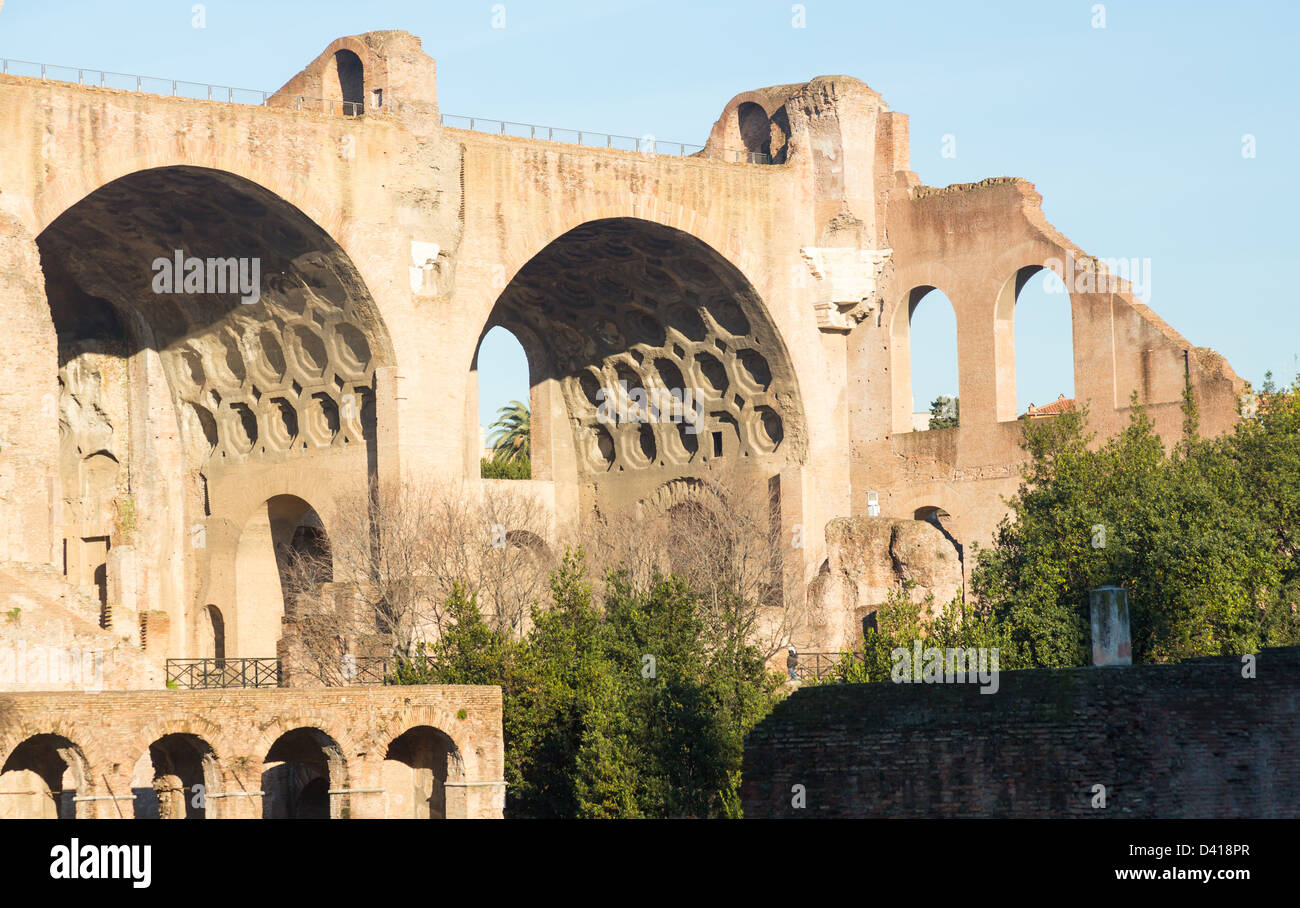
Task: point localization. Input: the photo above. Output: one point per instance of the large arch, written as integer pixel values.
(618, 309)
(234, 325)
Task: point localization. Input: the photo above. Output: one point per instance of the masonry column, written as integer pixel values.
(976, 343)
(29, 414)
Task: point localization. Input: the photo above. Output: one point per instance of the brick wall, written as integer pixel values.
(1189, 740)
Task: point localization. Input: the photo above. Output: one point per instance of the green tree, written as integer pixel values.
(1193, 534)
(503, 468)
(509, 437)
(945, 412)
(636, 710)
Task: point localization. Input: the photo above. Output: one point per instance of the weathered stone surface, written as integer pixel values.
(867, 559)
(108, 749)
(161, 449)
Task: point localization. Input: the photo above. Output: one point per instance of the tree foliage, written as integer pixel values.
(510, 432)
(504, 468)
(945, 412)
(1203, 538)
(636, 709)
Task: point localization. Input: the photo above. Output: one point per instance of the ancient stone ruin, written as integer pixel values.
(219, 315)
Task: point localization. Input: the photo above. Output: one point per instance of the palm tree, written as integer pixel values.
(509, 438)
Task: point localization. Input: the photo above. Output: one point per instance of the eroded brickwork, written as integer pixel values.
(1195, 739)
(419, 751)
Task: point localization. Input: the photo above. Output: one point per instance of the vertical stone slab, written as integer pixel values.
(1111, 639)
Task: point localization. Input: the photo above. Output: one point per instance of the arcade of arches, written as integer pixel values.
(411, 752)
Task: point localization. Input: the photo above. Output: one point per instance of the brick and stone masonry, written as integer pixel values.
(1195, 740)
(402, 751)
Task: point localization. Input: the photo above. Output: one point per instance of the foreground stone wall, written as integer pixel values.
(104, 743)
(1189, 740)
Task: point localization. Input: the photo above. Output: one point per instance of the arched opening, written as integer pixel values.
(283, 551)
(1035, 345)
(212, 633)
(173, 780)
(925, 366)
(262, 330)
(755, 128)
(41, 778)
(416, 769)
(501, 378)
(302, 767)
(351, 82)
(764, 138)
(656, 354)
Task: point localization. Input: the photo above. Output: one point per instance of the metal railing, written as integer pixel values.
(646, 144)
(202, 91)
(175, 88)
(216, 674)
(819, 666)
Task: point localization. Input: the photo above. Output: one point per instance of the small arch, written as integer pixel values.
(351, 74)
(283, 549)
(945, 523)
(173, 780)
(417, 766)
(755, 128)
(212, 633)
(302, 767)
(502, 373)
(924, 362)
(41, 778)
(1030, 318)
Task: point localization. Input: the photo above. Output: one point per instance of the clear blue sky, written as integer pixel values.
(1132, 132)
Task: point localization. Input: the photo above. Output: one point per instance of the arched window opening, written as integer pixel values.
(929, 334)
(352, 82)
(283, 553)
(505, 407)
(302, 767)
(764, 138)
(415, 772)
(755, 128)
(1039, 311)
(41, 778)
(212, 633)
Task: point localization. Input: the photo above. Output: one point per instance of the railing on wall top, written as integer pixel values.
(819, 666)
(175, 88)
(218, 674)
(202, 91)
(646, 144)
